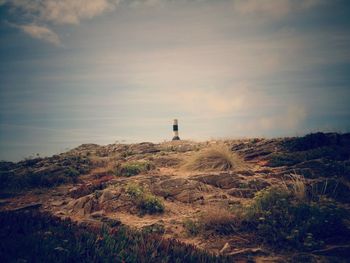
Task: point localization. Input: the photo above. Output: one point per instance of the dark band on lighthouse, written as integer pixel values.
(176, 131)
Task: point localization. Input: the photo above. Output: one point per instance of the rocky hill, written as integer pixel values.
(248, 200)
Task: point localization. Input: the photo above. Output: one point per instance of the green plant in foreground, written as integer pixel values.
(30, 236)
(280, 219)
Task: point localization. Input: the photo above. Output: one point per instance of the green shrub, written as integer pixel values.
(134, 190)
(151, 204)
(282, 220)
(32, 173)
(72, 172)
(146, 202)
(133, 168)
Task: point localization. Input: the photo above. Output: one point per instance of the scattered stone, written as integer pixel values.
(58, 203)
(156, 228)
(98, 214)
(60, 213)
(225, 248)
(248, 251)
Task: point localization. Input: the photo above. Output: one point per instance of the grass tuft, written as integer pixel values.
(296, 186)
(219, 221)
(218, 157)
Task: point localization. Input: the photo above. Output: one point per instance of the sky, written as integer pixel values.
(101, 71)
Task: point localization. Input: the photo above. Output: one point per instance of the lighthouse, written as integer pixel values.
(176, 131)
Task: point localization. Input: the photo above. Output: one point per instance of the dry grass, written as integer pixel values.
(215, 220)
(218, 157)
(296, 185)
(219, 220)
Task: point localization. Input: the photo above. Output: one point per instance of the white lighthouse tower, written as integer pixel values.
(176, 131)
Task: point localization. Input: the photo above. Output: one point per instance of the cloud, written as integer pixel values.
(290, 119)
(55, 12)
(41, 32)
(63, 11)
(206, 102)
(273, 8)
(71, 12)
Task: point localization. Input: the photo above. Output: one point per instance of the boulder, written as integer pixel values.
(230, 180)
(84, 205)
(242, 193)
(180, 189)
(108, 194)
(221, 180)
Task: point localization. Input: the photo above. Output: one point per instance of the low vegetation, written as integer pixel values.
(317, 140)
(192, 227)
(218, 157)
(329, 147)
(29, 236)
(133, 168)
(284, 217)
(146, 202)
(11, 181)
(217, 221)
(250, 207)
(40, 172)
(292, 158)
(280, 216)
